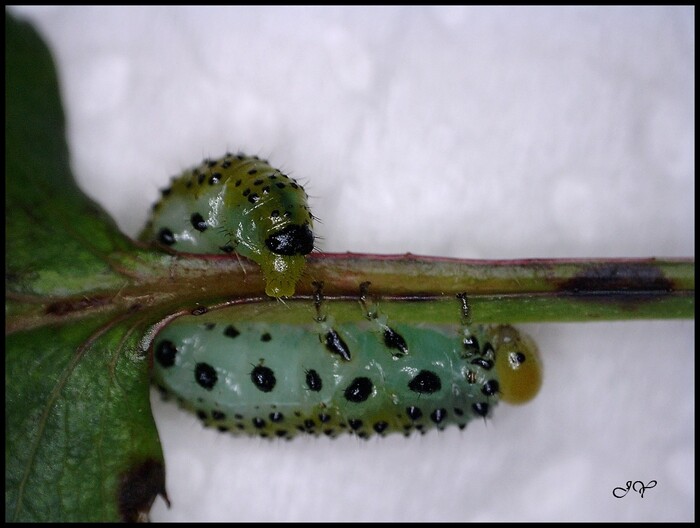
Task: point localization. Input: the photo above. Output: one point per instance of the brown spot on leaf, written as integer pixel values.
(74, 305)
(138, 488)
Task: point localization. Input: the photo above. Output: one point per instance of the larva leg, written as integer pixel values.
(470, 343)
(390, 337)
(328, 336)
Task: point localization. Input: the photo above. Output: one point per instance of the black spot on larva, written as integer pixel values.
(490, 387)
(313, 380)
(335, 344)
(214, 178)
(240, 157)
(210, 163)
(258, 182)
(205, 375)
(165, 236)
(355, 424)
(324, 418)
(238, 416)
(280, 185)
(253, 198)
(485, 364)
(226, 164)
(202, 415)
(266, 337)
(201, 178)
(201, 310)
(266, 189)
(218, 415)
(438, 415)
(414, 413)
(166, 192)
(246, 192)
(253, 171)
(309, 423)
(188, 184)
(165, 353)
(470, 346)
(480, 408)
(380, 427)
(231, 331)
(281, 433)
(276, 417)
(392, 339)
(263, 378)
(359, 390)
(291, 240)
(221, 428)
(228, 248)
(294, 185)
(274, 214)
(425, 382)
(488, 350)
(517, 358)
(458, 411)
(238, 183)
(198, 222)
(258, 423)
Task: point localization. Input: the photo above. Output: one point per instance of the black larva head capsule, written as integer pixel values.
(291, 240)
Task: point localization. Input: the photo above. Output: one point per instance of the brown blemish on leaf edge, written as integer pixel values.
(138, 488)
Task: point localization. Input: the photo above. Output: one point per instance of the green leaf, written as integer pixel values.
(80, 441)
(57, 240)
(78, 427)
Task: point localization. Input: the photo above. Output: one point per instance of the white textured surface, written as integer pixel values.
(465, 132)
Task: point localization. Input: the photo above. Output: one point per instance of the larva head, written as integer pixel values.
(238, 203)
(278, 238)
(517, 364)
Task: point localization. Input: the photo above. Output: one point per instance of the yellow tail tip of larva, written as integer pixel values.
(518, 365)
(281, 274)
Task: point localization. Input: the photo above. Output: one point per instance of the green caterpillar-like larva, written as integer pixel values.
(365, 377)
(238, 203)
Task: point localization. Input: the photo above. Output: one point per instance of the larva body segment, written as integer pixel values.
(278, 380)
(238, 203)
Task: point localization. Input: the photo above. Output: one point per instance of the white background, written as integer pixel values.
(463, 132)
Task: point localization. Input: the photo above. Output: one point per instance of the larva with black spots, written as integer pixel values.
(238, 203)
(324, 378)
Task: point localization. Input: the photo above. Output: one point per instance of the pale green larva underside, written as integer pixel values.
(364, 377)
(238, 203)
